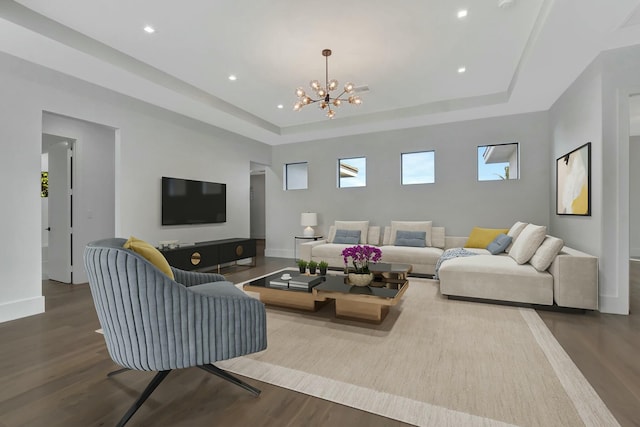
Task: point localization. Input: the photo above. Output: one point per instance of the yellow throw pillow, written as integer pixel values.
(150, 253)
(481, 237)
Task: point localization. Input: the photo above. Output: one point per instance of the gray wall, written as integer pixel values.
(596, 108)
(150, 143)
(456, 201)
(634, 197)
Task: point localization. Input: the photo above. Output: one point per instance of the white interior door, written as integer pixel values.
(59, 252)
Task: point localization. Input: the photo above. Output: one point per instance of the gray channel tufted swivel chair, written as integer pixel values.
(153, 323)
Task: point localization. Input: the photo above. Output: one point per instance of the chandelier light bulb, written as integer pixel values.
(337, 102)
(333, 84)
(330, 114)
(321, 93)
(306, 100)
(297, 106)
(349, 87)
(315, 85)
(323, 105)
(300, 92)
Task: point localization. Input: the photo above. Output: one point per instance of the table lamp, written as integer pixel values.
(309, 220)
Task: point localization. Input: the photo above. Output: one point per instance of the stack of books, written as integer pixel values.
(279, 283)
(304, 282)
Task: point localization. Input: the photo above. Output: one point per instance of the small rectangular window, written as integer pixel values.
(352, 172)
(498, 162)
(296, 175)
(418, 168)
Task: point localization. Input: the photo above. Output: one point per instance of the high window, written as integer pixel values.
(418, 168)
(296, 175)
(498, 162)
(352, 172)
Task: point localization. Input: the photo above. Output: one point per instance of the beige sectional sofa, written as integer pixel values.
(570, 279)
(422, 259)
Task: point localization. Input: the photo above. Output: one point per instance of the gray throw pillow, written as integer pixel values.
(499, 244)
(415, 239)
(347, 237)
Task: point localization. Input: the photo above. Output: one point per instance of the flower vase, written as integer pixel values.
(360, 279)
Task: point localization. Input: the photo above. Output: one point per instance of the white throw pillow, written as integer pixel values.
(528, 243)
(411, 226)
(514, 232)
(546, 253)
(363, 226)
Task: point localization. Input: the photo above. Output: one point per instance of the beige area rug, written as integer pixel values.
(432, 362)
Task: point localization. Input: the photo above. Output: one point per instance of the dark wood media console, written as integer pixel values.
(205, 255)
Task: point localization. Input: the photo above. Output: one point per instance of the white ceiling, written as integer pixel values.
(518, 58)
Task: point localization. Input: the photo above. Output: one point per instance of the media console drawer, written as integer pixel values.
(209, 254)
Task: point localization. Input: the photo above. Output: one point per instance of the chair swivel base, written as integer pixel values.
(161, 375)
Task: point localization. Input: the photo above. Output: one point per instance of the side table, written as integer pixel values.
(295, 242)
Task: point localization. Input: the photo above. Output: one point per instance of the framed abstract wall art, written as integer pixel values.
(573, 182)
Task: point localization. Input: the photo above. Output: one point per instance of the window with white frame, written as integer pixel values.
(296, 176)
(352, 172)
(418, 168)
(499, 162)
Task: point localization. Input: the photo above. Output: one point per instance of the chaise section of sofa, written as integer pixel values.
(570, 281)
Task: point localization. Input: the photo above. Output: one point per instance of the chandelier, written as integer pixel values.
(323, 93)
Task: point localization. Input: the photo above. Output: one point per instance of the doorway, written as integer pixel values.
(56, 203)
(257, 206)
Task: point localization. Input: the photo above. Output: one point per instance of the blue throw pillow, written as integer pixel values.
(415, 239)
(499, 244)
(348, 237)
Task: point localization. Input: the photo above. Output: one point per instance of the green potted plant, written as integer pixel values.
(323, 265)
(302, 265)
(312, 266)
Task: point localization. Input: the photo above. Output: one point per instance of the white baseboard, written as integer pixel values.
(21, 308)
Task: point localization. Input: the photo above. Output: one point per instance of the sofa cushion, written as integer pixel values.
(544, 255)
(481, 237)
(347, 236)
(150, 253)
(527, 243)
(411, 238)
(499, 244)
(328, 251)
(411, 226)
(363, 226)
(514, 232)
(373, 237)
(495, 277)
(411, 255)
(437, 237)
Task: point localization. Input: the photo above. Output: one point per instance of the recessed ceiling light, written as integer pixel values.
(149, 29)
(233, 77)
(462, 69)
(280, 106)
(462, 13)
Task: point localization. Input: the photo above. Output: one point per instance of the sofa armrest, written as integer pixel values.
(575, 279)
(454, 242)
(305, 248)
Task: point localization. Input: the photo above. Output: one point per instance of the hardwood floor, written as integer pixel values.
(605, 348)
(53, 370)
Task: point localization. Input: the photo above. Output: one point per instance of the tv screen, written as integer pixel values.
(186, 201)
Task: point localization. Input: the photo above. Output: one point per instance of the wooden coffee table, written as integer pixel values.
(368, 303)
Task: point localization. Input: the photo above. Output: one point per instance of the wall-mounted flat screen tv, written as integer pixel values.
(185, 201)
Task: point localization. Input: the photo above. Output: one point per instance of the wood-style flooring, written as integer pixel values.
(53, 372)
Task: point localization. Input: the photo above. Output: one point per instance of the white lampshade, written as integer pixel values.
(309, 220)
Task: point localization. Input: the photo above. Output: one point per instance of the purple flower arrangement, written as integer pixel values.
(361, 256)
